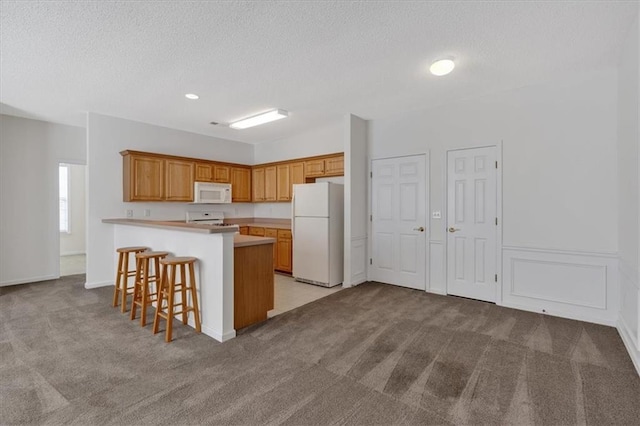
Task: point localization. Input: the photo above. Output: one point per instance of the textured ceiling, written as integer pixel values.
(318, 60)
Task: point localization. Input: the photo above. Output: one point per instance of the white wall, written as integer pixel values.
(559, 169)
(355, 200)
(106, 137)
(74, 241)
(629, 192)
(30, 151)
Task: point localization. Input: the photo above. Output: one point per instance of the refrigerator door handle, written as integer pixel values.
(293, 213)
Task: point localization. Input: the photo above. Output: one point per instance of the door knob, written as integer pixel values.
(421, 229)
(452, 229)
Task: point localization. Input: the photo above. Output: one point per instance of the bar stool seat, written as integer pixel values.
(168, 289)
(121, 289)
(143, 295)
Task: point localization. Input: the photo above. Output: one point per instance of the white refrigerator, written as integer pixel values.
(318, 233)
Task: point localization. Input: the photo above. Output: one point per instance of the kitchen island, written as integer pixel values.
(216, 248)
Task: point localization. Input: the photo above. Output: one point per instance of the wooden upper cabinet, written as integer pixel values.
(257, 184)
(314, 168)
(179, 180)
(222, 174)
(204, 172)
(334, 166)
(296, 175)
(270, 184)
(143, 178)
(283, 182)
(240, 185)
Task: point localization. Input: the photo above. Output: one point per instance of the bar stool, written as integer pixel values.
(142, 294)
(169, 287)
(121, 289)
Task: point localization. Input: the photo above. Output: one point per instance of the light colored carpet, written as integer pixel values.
(374, 354)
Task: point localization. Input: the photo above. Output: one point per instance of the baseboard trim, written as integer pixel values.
(89, 286)
(585, 318)
(629, 343)
(29, 280)
(219, 337)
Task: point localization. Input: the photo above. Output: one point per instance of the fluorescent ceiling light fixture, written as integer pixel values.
(256, 120)
(191, 96)
(442, 67)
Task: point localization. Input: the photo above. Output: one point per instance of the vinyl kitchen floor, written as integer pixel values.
(73, 264)
(290, 294)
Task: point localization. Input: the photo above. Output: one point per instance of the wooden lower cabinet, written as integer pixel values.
(284, 251)
(252, 284)
(256, 231)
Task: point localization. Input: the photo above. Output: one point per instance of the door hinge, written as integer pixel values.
(496, 164)
(371, 174)
(496, 221)
(496, 277)
(370, 261)
(370, 218)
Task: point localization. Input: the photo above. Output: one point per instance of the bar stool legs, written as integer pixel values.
(168, 289)
(142, 294)
(121, 288)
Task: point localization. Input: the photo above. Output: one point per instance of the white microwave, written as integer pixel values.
(212, 193)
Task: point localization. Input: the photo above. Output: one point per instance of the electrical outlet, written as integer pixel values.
(147, 212)
(436, 214)
(129, 213)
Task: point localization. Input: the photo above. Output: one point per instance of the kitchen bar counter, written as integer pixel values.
(173, 224)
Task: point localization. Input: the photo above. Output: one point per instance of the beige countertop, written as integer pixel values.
(171, 224)
(238, 240)
(267, 225)
(249, 240)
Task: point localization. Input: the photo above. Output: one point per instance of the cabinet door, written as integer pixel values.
(296, 175)
(244, 230)
(257, 184)
(204, 172)
(146, 178)
(334, 166)
(314, 168)
(256, 231)
(240, 185)
(270, 184)
(283, 182)
(273, 233)
(179, 180)
(284, 251)
(221, 174)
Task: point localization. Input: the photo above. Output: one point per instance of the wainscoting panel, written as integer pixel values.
(437, 282)
(358, 260)
(574, 285)
(629, 323)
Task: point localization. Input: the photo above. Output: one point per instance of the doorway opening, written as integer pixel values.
(72, 218)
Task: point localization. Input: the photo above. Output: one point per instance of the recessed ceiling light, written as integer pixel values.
(442, 67)
(256, 120)
(191, 96)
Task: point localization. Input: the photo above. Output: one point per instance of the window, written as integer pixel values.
(63, 191)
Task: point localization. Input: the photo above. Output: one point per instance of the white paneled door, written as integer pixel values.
(472, 223)
(398, 219)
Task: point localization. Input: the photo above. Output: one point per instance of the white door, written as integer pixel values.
(399, 221)
(472, 223)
